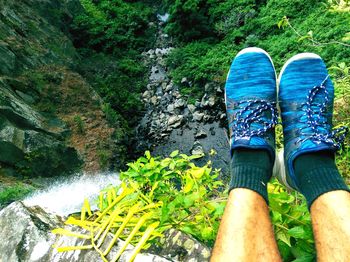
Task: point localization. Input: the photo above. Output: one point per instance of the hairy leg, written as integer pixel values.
(330, 214)
(245, 232)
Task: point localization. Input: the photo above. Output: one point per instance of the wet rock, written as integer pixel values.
(171, 108)
(198, 116)
(184, 81)
(154, 100)
(211, 101)
(26, 233)
(169, 87)
(191, 108)
(200, 134)
(146, 95)
(175, 121)
(197, 149)
(26, 236)
(179, 103)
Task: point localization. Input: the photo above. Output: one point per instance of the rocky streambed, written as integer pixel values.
(171, 122)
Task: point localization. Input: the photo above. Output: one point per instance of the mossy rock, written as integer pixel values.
(50, 161)
(10, 154)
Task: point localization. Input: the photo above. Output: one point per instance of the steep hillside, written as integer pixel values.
(51, 121)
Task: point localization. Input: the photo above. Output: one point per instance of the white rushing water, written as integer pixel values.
(66, 196)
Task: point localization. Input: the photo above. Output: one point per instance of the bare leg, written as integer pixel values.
(330, 214)
(245, 232)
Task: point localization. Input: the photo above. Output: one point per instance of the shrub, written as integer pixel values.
(175, 193)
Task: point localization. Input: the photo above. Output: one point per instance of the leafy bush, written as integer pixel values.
(155, 195)
(175, 193)
(113, 25)
(292, 224)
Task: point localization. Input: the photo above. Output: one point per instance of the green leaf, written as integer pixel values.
(174, 153)
(148, 154)
(284, 237)
(207, 233)
(298, 232)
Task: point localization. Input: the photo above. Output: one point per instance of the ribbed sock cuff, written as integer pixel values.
(319, 181)
(250, 177)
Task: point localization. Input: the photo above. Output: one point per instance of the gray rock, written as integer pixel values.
(169, 87)
(26, 236)
(184, 81)
(154, 100)
(197, 149)
(150, 52)
(204, 101)
(171, 108)
(176, 94)
(26, 233)
(207, 118)
(179, 103)
(211, 101)
(197, 104)
(198, 116)
(146, 95)
(200, 134)
(175, 121)
(159, 91)
(179, 246)
(191, 108)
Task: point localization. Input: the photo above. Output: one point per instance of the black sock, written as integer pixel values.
(252, 169)
(317, 174)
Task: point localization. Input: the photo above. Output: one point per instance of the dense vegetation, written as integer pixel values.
(111, 34)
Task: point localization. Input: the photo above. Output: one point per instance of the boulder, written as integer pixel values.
(26, 236)
(197, 149)
(171, 108)
(200, 134)
(191, 108)
(198, 116)
(179, 103)
(175, 121)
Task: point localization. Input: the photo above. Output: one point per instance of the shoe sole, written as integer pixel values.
(279, 169)
(254, 50)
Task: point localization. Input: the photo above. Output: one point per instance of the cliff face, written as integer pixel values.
(50, 118)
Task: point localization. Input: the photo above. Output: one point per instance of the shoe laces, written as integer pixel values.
(318, 128)
(248, 112)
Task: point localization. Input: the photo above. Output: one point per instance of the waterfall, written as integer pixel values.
(66, 195)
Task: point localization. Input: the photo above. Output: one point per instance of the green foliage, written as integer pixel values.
(103, 157)
(283, 28)
(191, 197)
(292, 224)
(14, 193)
(79, 124)
(155, 195)
(189, 20)
(175, 193)
(113, 25)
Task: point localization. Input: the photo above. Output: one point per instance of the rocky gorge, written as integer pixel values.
(171, 122)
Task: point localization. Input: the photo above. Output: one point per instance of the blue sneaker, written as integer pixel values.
(250, 98)
(306, 95)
